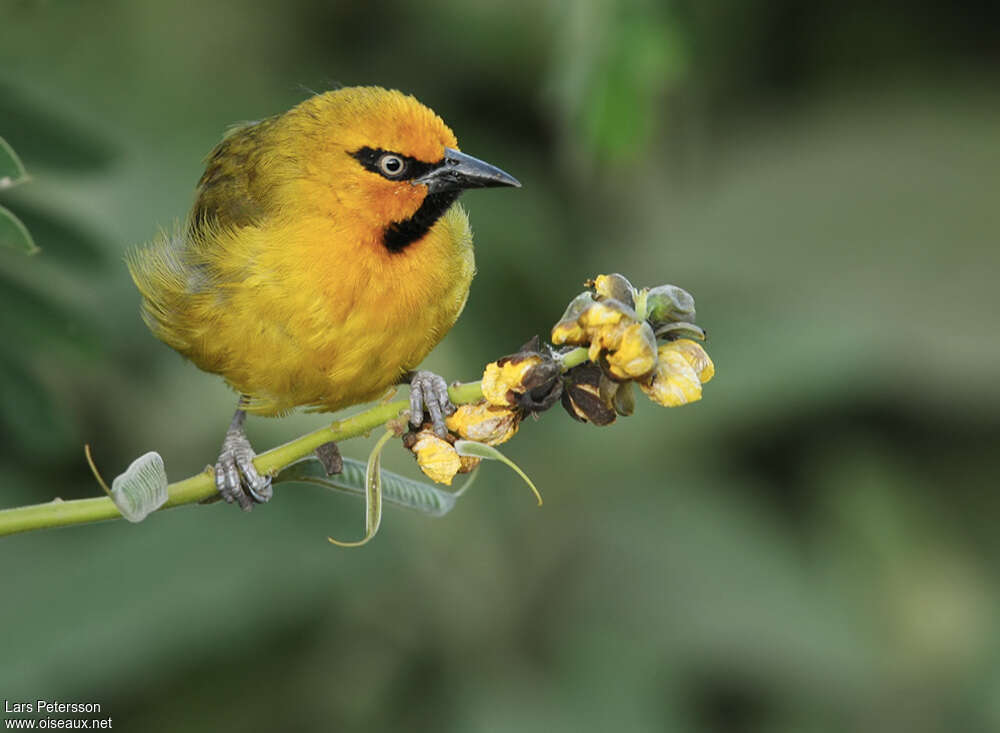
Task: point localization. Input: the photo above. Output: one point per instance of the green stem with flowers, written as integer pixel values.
(197, 488)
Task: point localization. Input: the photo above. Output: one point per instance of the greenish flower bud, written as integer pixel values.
(667, 304)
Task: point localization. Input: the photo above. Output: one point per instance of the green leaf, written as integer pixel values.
(14, 235)
(373, 494)
(481, 450)
(142, 489)
(398, 490)
(11, 169)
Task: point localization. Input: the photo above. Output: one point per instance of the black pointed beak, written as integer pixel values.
(460, 171)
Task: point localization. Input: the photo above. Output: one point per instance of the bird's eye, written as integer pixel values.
(391, 165)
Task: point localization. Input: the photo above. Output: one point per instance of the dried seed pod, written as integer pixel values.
(582, 398)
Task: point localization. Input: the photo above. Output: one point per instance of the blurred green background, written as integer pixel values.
(813, 547)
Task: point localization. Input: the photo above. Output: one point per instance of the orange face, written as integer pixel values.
(364, 148)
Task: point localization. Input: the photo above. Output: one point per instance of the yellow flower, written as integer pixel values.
(504, 379)
(569, 330)
(436, 457)
(613, 329)
(696, 356)
(603, 315)
(586, 319)
(484, 423)
(681, 368)
(635, 354)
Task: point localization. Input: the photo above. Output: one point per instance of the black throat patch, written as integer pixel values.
(400, 234)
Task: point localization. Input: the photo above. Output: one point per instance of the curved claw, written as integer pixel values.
(431, 391)
(262, 494)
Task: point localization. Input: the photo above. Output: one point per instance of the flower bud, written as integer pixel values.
(613, 286)
(668, 303)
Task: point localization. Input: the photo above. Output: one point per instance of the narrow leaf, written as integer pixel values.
(11, 169)
(398, 490)
(373, 494)
(13, 234)
(481, 450)
(142, 489)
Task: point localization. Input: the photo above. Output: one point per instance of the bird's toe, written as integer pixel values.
(429, 391)
(236, 478)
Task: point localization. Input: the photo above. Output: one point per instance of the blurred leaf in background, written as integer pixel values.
(613, 67)
(41, 328)
(13, 234)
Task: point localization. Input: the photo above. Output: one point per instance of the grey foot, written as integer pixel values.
(431, 391)
(236, 478)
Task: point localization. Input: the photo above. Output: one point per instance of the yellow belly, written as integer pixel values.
(306, 315)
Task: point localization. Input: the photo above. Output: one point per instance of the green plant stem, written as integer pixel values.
(573, 358)
(59, 513)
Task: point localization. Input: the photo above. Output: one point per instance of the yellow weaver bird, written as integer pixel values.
(324, 257)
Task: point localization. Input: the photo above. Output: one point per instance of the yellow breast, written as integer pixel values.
(313, 317)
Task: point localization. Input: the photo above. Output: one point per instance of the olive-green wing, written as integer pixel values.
(231, 192)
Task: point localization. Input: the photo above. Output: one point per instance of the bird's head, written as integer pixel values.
(386, 159)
